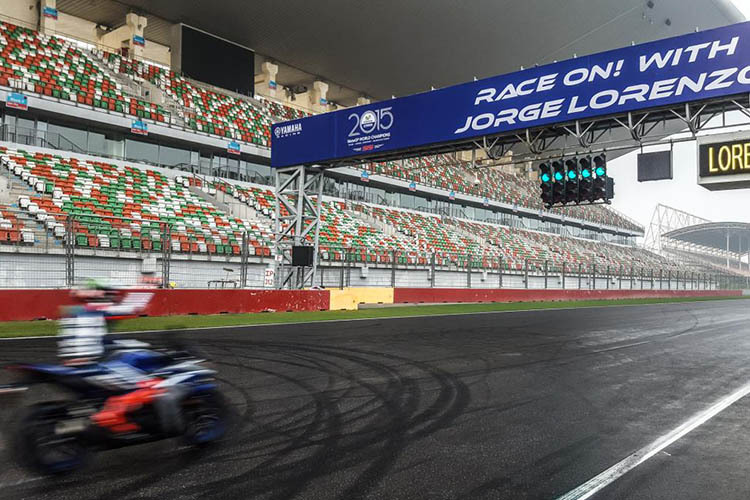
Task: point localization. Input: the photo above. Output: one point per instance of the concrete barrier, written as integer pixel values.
(440, 295)
(17, 305)
(350, 298)
(28, 304)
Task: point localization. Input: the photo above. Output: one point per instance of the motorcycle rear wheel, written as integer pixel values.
(40, 447)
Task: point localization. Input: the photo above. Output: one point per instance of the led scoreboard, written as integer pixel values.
(724, 161)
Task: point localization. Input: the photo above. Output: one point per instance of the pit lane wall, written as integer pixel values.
(16, 305)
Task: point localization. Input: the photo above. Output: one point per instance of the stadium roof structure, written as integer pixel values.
(399, 48)
(731, 236)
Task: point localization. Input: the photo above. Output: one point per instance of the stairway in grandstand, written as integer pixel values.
(14, 188)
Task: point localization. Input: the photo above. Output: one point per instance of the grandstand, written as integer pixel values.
(179, 193)
(702, 244)
(132, 210)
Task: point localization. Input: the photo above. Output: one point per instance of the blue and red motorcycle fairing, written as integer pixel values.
(165, 395)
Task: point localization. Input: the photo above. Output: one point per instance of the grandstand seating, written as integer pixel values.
(282, 112)
(125, 207)
(432, 236)
(443, 172)
(342, 234)
(12, 231)
(55, 67)
(702, 260)
(518, 245)
(201, 109)
(341, 229)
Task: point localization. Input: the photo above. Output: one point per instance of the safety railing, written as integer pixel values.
(44, 246)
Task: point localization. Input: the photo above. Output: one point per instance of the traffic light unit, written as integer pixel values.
(572, 181)
(558, 188)
(577, 181)
(545, 175)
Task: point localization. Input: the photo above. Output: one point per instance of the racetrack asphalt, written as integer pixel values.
(515, 405)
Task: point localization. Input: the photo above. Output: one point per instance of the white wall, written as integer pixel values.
(22, 12)
(75, 27)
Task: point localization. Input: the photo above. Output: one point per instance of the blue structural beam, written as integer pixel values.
(693, 67)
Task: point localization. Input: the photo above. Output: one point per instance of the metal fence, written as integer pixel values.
(41, 248)
(358, 267)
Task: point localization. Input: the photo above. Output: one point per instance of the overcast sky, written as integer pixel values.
(638, 199)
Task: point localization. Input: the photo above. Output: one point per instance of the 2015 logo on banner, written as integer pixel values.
(371, 121)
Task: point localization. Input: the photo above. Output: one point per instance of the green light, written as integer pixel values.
(585, 173)
(546, 177)
(572, 174)
(600, 171)
(558, 176)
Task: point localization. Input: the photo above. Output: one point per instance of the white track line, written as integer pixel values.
(20, 482)
(595, 484)
(477, 313)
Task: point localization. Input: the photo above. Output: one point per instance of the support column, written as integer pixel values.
(593, 277)
(318, 96)
(48, 16)
(137, 42)
(739, 252)
(562, 278)
(432, 270)
(727, 249)
(265, 82)
(526, 273)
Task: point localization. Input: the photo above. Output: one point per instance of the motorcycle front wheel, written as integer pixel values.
(205, 419)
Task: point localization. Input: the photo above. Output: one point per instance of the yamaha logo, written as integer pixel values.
(287, 130)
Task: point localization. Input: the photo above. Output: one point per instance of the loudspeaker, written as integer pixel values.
(302, 256)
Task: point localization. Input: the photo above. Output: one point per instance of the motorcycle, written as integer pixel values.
(59, 436)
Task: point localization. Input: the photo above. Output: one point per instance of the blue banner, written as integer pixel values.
(139, 40)
(50, 12)
(691, 67)
(17, 101)
(139, 127)
(233, 148)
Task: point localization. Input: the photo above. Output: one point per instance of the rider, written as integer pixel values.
(84, 340)
(83, 335)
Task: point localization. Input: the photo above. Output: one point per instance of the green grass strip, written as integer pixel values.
(42, 328)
